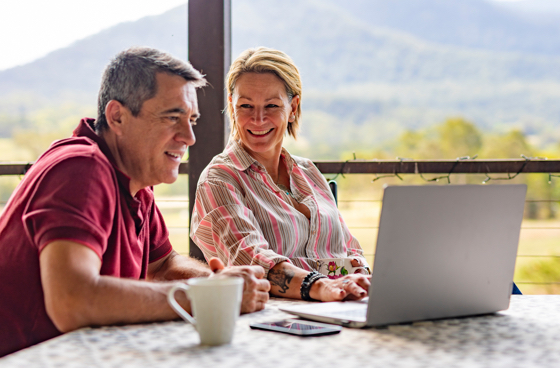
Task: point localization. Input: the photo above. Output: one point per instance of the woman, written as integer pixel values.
(257, 204)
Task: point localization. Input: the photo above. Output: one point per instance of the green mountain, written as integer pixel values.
(371, 68)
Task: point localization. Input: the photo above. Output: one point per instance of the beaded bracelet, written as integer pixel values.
(307, 282)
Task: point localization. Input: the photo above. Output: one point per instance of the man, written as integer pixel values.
(82, 231)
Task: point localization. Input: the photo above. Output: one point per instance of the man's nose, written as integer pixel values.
(186, 134)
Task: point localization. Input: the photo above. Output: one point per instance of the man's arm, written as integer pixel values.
(175, 267)
(76, 295)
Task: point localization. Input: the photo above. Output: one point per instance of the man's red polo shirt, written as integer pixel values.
(74, 192)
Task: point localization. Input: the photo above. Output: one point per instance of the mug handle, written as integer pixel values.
(176, 307)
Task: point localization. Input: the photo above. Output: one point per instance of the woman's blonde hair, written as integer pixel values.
(265, 60)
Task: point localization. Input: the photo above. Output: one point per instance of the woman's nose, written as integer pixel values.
(259, 115)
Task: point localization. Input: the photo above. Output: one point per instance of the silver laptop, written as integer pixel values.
(442, 251)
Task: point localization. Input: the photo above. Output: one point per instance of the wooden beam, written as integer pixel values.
(507, 166)
(439, 166)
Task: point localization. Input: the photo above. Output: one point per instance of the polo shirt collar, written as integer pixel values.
(85, 129)
(242, 160)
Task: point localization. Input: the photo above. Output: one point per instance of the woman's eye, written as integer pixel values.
(245, 106)
(271, 105)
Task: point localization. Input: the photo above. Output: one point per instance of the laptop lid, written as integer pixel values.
(442, 251)
(445, 251)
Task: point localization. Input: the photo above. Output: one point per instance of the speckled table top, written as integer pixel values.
(526, 335)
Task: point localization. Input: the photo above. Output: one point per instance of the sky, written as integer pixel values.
(30, 29)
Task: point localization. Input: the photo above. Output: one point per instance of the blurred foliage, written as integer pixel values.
(545, 272)
(39, 129)
(456, 137)
(451, 138)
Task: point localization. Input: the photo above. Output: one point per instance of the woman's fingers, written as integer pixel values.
(361, 270)
(356, 286)
(349, 287)
(357, 262)
(364, 281)
(355, 291)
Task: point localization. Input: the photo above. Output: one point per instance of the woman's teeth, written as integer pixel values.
(260, 132)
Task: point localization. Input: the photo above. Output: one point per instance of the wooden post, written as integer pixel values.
(209, 37)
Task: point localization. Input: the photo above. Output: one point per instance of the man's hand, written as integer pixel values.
(255, 289)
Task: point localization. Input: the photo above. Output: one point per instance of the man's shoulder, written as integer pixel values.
(74, 147)
(70, 153)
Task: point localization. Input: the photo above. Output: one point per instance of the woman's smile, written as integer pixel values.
(261, 132)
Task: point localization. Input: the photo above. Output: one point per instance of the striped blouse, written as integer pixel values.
(242, 217)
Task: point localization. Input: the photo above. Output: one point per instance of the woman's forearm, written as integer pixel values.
(285, 280)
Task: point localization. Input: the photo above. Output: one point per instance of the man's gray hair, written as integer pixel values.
(130, 78)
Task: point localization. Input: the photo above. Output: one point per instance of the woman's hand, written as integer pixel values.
(350, 287)
(361, 266)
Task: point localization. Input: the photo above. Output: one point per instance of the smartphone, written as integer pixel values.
(298, 327)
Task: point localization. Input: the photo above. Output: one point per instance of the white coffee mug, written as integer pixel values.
(215, 304)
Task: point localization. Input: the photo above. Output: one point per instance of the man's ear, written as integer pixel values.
(116, 114)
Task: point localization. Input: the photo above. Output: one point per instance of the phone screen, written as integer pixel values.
(297, 327)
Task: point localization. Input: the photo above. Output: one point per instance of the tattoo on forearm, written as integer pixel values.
(281, 278)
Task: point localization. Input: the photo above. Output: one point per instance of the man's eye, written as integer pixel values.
(173, 118)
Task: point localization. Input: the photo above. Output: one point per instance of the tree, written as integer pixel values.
(459, 137)
(509, 145)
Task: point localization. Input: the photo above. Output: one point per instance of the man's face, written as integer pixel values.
(152, 144)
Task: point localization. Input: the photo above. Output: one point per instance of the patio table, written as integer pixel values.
(526, 335)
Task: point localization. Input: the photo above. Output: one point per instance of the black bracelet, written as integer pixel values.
(307, 282)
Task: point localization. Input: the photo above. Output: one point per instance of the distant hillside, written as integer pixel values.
(469, 23)
(333, 48)
(76, 70)
(331, 45)
(383, 65)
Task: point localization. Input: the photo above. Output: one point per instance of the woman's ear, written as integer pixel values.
(115, 114)
(295, 104)
(230, 102)
(233, 132)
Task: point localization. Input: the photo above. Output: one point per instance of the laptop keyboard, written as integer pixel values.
(358, 314)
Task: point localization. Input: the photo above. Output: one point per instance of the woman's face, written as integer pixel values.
(261, 110)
